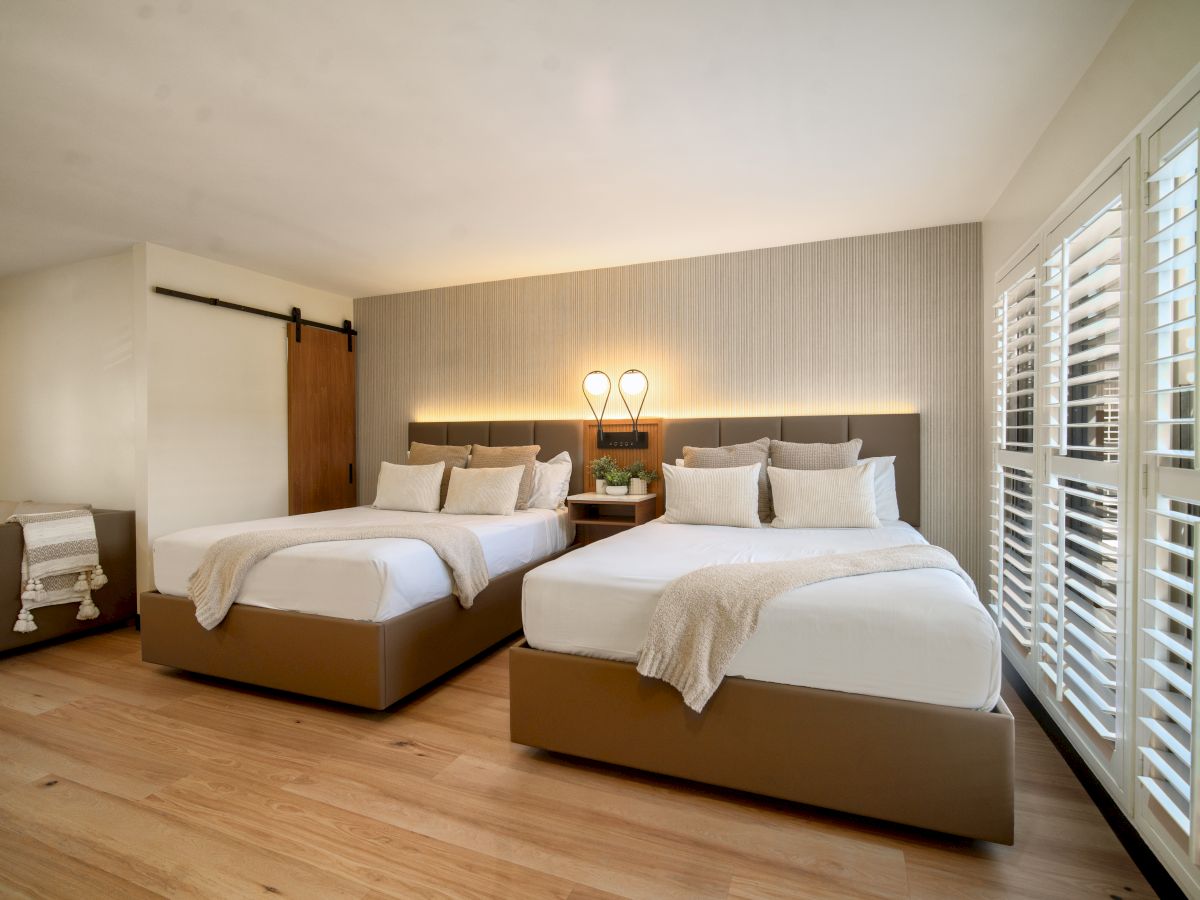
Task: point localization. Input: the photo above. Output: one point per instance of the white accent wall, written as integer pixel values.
(67, 377)
(215, 393)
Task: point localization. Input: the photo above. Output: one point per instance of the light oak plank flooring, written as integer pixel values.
(122, 779)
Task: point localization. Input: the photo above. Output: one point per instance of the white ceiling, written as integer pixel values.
(376, 145)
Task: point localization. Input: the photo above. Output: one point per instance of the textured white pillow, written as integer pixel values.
(410, 488)
(484, 492)
(551, 482)
(712, 496)
(887, 507)
(824, 498)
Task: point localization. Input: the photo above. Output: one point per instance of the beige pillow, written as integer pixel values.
(452, 455)
(409, 488)
(731, 456)
(727, 496)
(483, 492)
(787, 455)
(824, 498)
(503, 458)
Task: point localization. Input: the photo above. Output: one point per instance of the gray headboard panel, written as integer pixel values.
(554, 436)
(897, 435)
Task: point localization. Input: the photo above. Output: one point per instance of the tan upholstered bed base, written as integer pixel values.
(371, 664)
(935, 767)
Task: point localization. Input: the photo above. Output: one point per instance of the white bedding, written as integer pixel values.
(917, 635)
(365, 580)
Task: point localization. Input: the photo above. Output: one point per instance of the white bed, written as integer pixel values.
(369, 581)
(918, 635)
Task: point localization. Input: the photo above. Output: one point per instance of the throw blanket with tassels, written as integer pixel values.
(704, 617)
(215, 585)
(60, 564)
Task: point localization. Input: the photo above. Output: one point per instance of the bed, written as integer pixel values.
(360, 622)
(876, 695)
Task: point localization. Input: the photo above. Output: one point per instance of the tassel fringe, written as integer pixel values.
(98, 578)
(87, 609)
(24, 623)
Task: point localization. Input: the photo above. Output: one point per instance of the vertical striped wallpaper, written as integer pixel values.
(883, 323)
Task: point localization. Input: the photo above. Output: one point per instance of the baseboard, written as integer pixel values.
(1141, 854)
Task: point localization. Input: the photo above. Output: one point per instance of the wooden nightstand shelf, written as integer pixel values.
(599, 515)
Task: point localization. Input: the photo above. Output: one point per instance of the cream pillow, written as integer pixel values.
(484, 492)
(726, 496)
(887, 507)
(551, 482)
(824, 498)
(411, 488)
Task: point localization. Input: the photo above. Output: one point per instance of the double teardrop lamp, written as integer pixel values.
(632, 386)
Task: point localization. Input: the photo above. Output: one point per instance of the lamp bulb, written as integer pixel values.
(596, 384)
(633, 383)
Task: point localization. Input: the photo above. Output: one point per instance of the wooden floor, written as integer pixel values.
(121, 779)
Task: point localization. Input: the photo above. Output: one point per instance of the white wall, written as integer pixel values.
(1153, 48)
(214, 393)
(67, 384)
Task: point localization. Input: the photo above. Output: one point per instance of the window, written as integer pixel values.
(1166, 609)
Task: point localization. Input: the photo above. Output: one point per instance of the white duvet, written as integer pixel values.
(364, 580)
(918, 635)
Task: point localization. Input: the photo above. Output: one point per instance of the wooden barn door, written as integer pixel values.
(320, 421)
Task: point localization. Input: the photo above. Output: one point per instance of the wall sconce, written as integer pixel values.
(633, 387)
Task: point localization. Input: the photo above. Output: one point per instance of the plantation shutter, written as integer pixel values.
(1080, 619)
(1166, 741)
(1015, 365)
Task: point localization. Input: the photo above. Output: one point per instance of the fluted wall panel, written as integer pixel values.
(883, 323)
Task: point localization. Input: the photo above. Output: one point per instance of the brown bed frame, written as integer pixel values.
(371, 664)
(935, 767)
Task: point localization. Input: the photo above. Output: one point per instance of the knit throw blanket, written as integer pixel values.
(215, 585)
(704, 617)
(60, 564)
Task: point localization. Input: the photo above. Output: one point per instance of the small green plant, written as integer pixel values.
(601, 466)
(639, 470)
(618, 477)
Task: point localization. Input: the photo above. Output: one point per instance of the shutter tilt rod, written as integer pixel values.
(345, 328)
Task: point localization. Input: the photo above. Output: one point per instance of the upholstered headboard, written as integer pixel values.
(896, 435)
(554, 436)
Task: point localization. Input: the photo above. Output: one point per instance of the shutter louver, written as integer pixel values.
(1077, 617)
(1016, 363)
(1166, 622)
(1083, 339)
(1012, 557)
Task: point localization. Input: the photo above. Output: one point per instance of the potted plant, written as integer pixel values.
(600, 470)
(641, 478)
(617, 481)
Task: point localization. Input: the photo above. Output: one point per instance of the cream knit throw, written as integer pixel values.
(704, 617)
(215, 585)
(60, 564)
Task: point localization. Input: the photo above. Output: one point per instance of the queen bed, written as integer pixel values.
(364, 622)
(876, 694)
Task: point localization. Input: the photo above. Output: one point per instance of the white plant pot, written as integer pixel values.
(637, 486)
(616, 491)
(601, 484)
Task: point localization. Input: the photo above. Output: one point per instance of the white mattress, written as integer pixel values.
(365, 580)
(917, 635)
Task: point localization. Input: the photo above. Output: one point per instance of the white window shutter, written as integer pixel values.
(1166, 740)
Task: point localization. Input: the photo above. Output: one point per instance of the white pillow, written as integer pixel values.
(824, 498)
(410, 488)
(551, 482)
(712, 496)
(483, 492)
(887, 508)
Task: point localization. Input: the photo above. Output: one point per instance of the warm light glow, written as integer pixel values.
(596, 384)
(633, 383)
